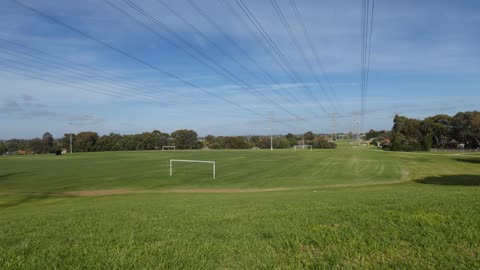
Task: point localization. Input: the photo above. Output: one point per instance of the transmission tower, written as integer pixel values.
(270, 116)
(333, 124)
(355, 126)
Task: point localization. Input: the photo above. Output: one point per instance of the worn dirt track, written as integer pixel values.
(105, 192)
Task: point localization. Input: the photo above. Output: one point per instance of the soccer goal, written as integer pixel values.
(169, 147)
(192, 161)
(303, 146)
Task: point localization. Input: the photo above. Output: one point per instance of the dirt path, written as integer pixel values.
(104, 192)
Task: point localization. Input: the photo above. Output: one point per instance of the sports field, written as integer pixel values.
(351, 207)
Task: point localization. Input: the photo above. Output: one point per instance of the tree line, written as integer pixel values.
(89, 141)
(264, 142)
(461, 131)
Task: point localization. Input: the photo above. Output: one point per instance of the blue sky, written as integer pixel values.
(424, 61)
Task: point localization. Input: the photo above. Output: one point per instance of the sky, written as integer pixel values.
(111, 66)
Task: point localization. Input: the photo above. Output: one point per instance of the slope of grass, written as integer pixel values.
(235, 169)
(149, 169)
(431, 222)
(403, 226)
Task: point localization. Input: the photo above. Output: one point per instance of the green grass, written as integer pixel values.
(349, 208)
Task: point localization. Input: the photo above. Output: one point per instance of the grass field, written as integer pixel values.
(350, 207)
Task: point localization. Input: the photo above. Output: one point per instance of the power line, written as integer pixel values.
(294, 74)
(299, 48)
(63, 79)
(220, 29)
(230, 75)
(313, 49)
(51, 81)
(134, 58)
(86, 77)
(218, 48)
(367, 30)
(369, 48)
(363, 53)
(100, 74)
(53, 77)
(32, 59)
(268, 51)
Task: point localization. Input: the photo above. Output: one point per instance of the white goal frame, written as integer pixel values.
(302, 146)
(192, 161)
(169, 147)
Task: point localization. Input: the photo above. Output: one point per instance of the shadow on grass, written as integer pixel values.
(7, 175)
(451, 180)
(15, 200)
(469, 160)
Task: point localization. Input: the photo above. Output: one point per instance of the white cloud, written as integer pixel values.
(412, 37)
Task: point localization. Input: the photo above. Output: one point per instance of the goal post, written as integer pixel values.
(166, 147)
(303, 146)
(193, 161)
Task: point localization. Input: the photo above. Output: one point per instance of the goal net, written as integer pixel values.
(303, 146)
(193, 161)
(168, 147)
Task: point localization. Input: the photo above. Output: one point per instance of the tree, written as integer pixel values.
(161, 139)
(466, 128)
(218, 143)
(427, 130)
(283, 142)
(438, 131)
(129, 142)
(209, 141)
(264, 142)
(37, 146)
(103, 143)
(65, 141)
(85, 141)
(322, 142)
(406, 134)
(149, 141)
(47, 140)
(185, 139)
(3, 148)
(254, 141)
(371, 134)
(441, 128)
(290, 136)
(110, 142)
(308, 136)
(292, 139)
(16, 144)
(236, 143)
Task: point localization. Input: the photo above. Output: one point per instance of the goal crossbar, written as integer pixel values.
(303, 146)
(192, 161)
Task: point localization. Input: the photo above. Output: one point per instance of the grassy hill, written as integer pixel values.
(350, 207)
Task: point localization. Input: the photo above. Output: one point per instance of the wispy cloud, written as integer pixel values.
(25, 107)
(413, 42)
